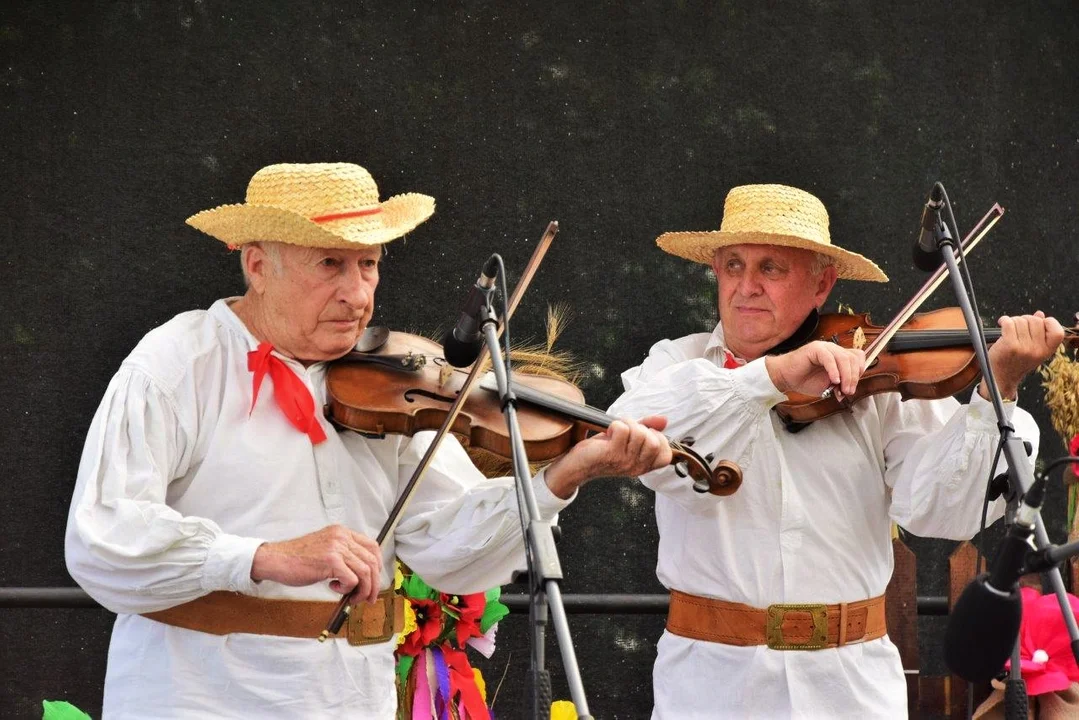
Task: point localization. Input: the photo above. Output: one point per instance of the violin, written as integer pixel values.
(929, 357)
(404, 386)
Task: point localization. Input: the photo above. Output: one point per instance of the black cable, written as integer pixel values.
(1058, 462)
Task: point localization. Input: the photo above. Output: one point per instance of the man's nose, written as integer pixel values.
(354, 289)
(750, 283)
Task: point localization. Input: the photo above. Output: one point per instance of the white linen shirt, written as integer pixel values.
(810, 524)
(181, 480)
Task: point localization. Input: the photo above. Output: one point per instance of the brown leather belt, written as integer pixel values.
(224, 613)
(780, 627)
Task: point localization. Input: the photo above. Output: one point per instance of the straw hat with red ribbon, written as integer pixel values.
(324, 205)
(771, 215)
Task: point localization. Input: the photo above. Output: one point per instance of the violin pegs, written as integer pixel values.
(681, 469)
(709, 457)
(688, 440)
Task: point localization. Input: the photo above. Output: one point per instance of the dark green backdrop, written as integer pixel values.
(621, 120)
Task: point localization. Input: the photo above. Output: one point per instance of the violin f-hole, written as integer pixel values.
(410, 396)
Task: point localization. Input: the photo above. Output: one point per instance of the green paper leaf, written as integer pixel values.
(492, 613)
(414, 587)
(61, 710)
(404, 664)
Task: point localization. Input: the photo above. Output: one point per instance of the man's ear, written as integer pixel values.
(257, 265)
(715, 260)
(828, 276)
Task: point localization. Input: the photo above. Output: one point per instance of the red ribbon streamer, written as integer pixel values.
(464, 681)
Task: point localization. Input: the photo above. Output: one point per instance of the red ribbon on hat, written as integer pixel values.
(346, 215)
(289, 392)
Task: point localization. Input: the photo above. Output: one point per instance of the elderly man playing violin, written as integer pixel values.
(220, 515)
(777, 590)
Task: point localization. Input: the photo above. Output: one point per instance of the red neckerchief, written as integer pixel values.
(730, 362)
(289, 392)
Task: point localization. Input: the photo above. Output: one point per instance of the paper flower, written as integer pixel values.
(1046, 660)
(410, 625)
(563, 710)
(467, 610)
(428, 626)
(1073, 449)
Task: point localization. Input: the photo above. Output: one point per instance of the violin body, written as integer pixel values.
(414, 391)
(930, 358)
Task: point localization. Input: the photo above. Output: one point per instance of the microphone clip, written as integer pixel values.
(933, 234)
(1037, 561)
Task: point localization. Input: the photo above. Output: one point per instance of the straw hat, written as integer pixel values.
(771, 215)
(326, 205)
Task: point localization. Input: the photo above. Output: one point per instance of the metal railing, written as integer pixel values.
(596, 603)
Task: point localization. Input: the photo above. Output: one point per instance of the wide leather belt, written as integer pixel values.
(224, 613)
(780, 627)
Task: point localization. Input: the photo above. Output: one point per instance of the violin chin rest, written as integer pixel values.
(372, 339)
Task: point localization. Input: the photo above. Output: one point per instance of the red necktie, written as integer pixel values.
(289, 392)
(730, 363)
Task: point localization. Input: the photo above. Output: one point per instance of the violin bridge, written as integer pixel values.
(444, 374)
(858, 343)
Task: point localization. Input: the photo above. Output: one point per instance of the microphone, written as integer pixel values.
(984, 624)
(926, 253)
(461, 345)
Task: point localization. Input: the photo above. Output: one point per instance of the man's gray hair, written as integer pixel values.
(272, 250)
(820, 261)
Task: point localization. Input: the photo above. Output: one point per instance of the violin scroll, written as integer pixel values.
(724, 479)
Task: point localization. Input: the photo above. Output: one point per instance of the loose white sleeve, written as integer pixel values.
(128, 549)
(938, 459)
(699, 399)
(462, 531)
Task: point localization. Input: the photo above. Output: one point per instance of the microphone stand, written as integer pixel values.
(1020, 474)
(545, 571)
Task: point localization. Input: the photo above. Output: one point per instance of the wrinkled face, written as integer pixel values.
(316, 302)
(765, 292)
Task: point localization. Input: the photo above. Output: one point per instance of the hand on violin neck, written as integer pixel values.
(625, 448)
(816, 366)
(352, 562)
(1026, 341)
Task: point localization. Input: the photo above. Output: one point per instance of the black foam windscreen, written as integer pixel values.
(982, 631)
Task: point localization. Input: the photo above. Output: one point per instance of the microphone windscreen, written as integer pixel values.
(982, 631)
(460, 354)
(926, 260)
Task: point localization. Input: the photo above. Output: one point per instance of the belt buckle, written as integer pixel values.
(777, 613)
(370, 624)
